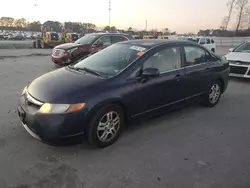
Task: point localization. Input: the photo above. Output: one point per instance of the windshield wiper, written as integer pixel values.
(87, 70)
(91, 71)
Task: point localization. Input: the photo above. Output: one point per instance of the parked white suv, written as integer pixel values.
(207, 42)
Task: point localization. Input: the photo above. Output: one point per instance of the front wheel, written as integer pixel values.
(106, 126)
(214, 94)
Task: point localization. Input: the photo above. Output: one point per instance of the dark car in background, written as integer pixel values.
(18, 37)
(68, 53)
(98, 96)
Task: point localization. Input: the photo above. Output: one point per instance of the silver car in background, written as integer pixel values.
(239, 60)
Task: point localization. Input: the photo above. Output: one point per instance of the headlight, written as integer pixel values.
(58, 52)
(24, 90)
(60, 108)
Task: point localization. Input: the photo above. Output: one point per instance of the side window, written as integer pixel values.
(208, 41)
(212, 41)
(247, 47)
(195, 55)
(202, 41)
(116, 39)
(165, 60)
(105, 40)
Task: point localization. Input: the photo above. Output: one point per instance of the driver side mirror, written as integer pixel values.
(150, 72)
(231, 49)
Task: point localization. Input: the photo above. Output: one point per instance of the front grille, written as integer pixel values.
(74, 37)
(239, 62)
(54, 36)
(238, 70)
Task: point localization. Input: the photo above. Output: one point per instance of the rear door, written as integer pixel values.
(197, 64)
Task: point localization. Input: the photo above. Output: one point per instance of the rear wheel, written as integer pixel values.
(106, 126)
(34, 44)
(214, 94)
(38, 44)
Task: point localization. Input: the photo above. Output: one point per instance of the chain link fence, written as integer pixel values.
(230, 41)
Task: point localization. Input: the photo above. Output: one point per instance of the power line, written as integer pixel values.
(109, 14)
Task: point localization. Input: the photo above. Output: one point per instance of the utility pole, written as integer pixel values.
(146, 25)
(109, 15)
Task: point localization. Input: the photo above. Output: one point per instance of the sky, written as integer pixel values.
(177, 15)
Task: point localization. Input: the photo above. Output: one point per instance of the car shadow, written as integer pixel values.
(156, 120)
(137, 125)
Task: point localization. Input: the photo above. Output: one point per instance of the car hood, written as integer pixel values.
(67, 46)
(65, 86)
(237, 56)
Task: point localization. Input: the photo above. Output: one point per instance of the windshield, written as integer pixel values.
(87, 39)
(112, 60)
(244, 47)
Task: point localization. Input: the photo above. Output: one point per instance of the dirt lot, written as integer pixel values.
(194, 147)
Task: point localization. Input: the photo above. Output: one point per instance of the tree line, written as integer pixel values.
(8, 23)
(238, 17)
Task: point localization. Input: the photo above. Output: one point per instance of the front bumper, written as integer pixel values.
(61, 61)
(51, 128)
(239, 70)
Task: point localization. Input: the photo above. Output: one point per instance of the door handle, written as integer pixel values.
(177, 77)
(207, 69)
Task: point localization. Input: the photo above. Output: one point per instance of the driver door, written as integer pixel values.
(162, 91)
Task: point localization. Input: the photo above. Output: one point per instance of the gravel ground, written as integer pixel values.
(194, 147)
(5, 53)
(16, 44)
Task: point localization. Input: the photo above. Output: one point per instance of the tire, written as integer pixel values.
(38, 44)
(95, 136)
(213, 50)
(34, 44)
(213, 96)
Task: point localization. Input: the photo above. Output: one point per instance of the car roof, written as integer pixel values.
(155, 42)
(102, 34)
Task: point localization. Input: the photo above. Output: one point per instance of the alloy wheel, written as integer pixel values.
(108, 126)
(214, 93)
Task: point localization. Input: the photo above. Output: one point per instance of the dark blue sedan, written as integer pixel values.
(98, 96)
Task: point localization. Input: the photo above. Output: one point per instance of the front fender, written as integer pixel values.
(114, 100)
